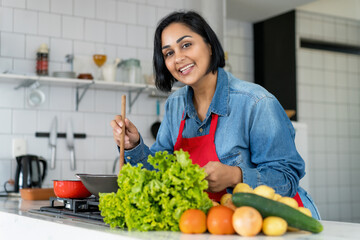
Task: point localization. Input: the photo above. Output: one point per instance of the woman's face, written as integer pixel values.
(187, 56)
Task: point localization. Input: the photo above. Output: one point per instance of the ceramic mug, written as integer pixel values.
(109, 72)
(36, 97)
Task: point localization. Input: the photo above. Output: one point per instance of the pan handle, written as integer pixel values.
(114, 164)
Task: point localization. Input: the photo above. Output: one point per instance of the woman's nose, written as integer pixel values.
(179, 58)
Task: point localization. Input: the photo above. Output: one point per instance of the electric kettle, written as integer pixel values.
(28, 172)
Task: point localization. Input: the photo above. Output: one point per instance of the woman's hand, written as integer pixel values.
(221, 176)
(132, 136)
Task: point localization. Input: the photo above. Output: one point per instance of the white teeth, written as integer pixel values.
(187, 67)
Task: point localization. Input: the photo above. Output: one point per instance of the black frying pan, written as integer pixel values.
(99, 183)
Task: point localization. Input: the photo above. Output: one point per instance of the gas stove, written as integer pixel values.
(86, 209)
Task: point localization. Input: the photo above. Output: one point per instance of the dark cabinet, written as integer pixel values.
(275, 58)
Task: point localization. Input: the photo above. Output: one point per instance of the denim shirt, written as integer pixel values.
(253, 133)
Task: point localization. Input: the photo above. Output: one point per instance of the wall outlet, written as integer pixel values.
(18, 147)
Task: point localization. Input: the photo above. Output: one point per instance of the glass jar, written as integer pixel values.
(42, 60)
(130, 71)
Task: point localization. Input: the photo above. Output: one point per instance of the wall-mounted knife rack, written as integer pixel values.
(59, 135)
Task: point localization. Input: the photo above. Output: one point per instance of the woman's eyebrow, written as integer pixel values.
(177, 41)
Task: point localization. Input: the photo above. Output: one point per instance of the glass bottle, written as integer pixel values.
(42, 60)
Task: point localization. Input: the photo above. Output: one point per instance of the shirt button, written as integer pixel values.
(128, 158)
(201, 130)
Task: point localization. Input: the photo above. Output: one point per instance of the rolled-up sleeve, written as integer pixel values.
(163, 142)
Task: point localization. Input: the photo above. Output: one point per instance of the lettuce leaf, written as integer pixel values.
(154, 200)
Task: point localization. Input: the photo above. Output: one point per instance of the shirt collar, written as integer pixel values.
(219, 102)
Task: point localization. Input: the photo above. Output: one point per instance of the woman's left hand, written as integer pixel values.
(221, 176)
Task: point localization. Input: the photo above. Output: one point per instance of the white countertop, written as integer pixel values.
(17, 223)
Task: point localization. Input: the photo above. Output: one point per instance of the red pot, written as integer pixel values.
(70, 189)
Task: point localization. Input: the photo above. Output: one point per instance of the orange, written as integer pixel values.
(219, 220)
(247, 221)
(193, 221)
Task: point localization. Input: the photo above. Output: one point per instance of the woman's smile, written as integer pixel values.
(187, 69)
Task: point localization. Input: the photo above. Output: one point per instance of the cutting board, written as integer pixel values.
(37, 193)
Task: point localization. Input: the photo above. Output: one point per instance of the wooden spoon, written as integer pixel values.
(122, 142)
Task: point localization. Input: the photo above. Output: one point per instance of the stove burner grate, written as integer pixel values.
(58, 210)
(76, 205)
(83, 208)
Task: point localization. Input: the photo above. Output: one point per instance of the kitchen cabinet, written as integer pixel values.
(133, 89)
(275, 58)
(14, 215)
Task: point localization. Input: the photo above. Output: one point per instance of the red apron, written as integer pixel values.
(202, 150)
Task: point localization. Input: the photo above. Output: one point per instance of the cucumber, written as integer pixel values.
(268, 207)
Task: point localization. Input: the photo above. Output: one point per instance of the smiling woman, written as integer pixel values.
(190, 29)
(235, 130)
(185, 52)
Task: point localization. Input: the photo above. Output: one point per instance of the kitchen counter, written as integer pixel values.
(17, 222)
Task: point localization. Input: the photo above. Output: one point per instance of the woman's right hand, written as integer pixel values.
(132, 136)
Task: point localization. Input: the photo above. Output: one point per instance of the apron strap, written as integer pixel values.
(181, 128)
(298, 199)
(213, 124)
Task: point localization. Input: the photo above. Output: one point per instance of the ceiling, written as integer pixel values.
(258, 10)
(344, 8)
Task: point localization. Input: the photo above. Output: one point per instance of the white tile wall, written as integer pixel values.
(116, 33)
(126, 52)
(126, 12)
(95, 30)
(6, 17)
(61, 6)
(81, 10)
(24, 122)
(328, 101)
(49, 24)
(10, 98)
(14, 3)
(72, 27)
(24, 66)
(238, 44)
(146, 15)
(41, 5)
(59, 48)
(61, 98)
(136, 36)
(5, 121)
(106, 9)
(12, 45)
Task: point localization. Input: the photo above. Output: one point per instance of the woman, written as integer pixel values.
(235, 130)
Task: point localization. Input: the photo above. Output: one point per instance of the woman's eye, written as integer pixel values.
(186, 45)
(168, 54)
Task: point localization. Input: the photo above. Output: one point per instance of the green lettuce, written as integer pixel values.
(154, 200)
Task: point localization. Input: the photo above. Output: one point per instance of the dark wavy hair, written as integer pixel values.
(163, 78)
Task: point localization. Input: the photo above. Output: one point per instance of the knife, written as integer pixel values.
(52, 141)
(70, 144)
